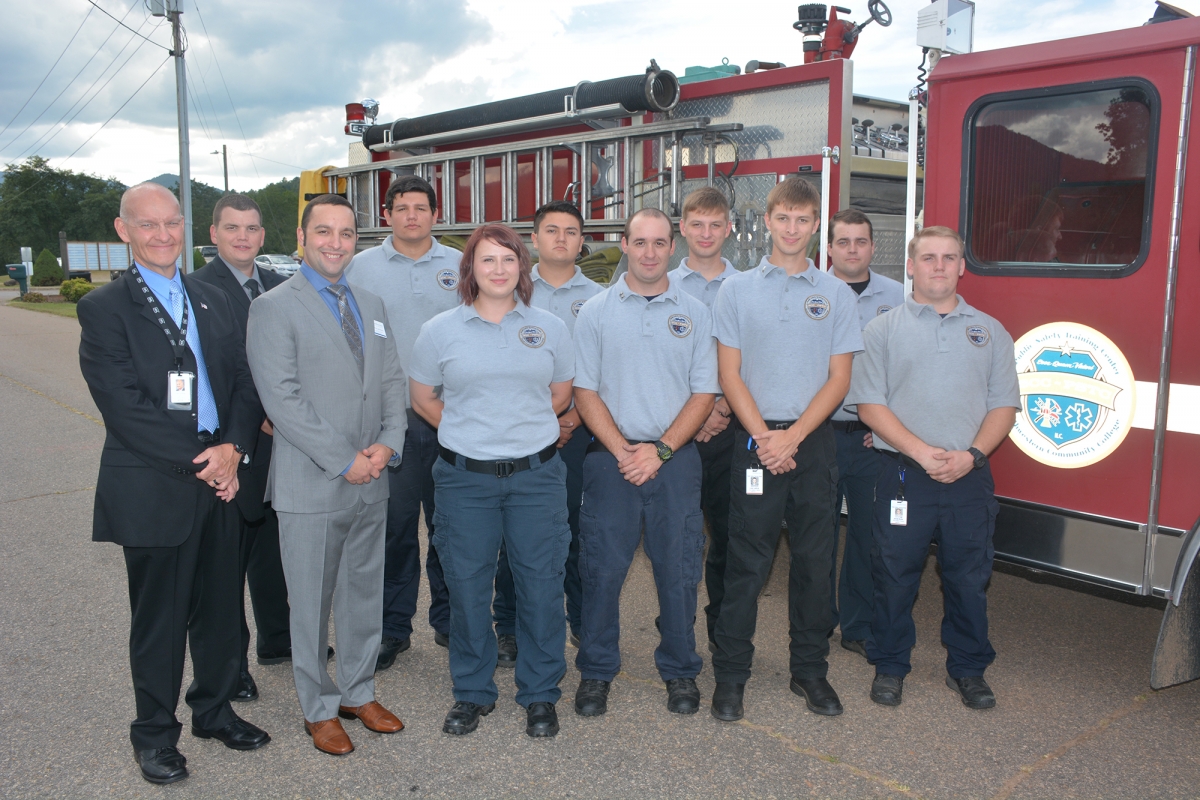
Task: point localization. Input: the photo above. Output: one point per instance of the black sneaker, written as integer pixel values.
(973, 690)
(887, 690)
(463, 717)
(506, 651)
(727, 701)
(591, 698)
(541, 720)
(682, 696)
(389, 648)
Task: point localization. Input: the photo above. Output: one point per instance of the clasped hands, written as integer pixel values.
(946, 466)
(369, 464)
(221, 470)
(638, 462)
(718, 420)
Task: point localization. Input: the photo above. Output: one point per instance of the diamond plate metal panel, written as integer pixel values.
(889, 245)
(780, 122)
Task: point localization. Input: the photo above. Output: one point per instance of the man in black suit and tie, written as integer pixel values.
(238, 233)
(165, 362)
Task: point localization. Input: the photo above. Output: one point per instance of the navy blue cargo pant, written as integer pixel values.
(411, 486)
(961, 518)
(527, 511)
(504, 609)
(610, 527)
(852, 597)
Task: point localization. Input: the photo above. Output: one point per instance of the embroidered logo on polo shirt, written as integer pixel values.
(532, 336)
(978, 335)
(882, 310)
(578, 304)
(447, 279)
(679, 324)
(817, 307)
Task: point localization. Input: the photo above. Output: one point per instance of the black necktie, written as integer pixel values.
(349, 326)
(255, 289)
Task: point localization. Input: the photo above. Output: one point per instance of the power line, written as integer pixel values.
(70, 83)
(123, 25)
(52, 66)
(225, 83)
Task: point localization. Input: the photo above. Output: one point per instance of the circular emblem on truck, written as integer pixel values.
(680, 324)
(817, 307)
(1077, 395)
(447, 279)
(532, 336)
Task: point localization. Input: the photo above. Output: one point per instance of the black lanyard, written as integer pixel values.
(168, 324)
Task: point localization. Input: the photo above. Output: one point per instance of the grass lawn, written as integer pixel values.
(61, 309)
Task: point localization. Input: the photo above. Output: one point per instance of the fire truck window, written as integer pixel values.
(1060, 180)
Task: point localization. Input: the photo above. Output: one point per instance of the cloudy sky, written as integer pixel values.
(270, 80)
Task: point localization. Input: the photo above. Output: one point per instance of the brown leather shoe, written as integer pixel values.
(329, 737)
(374, 716)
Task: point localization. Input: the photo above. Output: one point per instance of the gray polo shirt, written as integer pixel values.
(243, 278)
(939, 375)
(413, 292)
(787, 327)
(881, 296)
(697, 285)
(565, 301)
(495, 378)
(645, 358)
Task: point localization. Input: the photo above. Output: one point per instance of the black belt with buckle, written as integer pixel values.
(848, 425)
(209, 438)
(903, 459)
(501, 469)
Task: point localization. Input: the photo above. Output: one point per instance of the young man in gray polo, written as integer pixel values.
(417, 277)
(645, 380)
(561, 288)
(786, 334)
(937, 383)
(705, 226)
(851, 249)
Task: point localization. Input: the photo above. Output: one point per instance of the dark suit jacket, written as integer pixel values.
(147, 491)
(254, 481)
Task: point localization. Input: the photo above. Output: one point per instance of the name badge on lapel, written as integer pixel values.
(379, 331)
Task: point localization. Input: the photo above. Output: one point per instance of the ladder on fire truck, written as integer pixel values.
(652, 148)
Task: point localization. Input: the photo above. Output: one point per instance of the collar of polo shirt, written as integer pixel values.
(685, 270)
(962, 309)
(670, 293)
(434, 249)
(470, 312)
(810, 273)
(576, 279)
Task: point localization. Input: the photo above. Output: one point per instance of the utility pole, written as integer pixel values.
(225, 161)
(171, 10)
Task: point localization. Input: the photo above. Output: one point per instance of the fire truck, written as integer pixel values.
(1064, 164)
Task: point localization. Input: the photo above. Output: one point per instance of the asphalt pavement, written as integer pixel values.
(1075, 715)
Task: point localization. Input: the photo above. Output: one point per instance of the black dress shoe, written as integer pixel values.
(506, 652)
(682, 696)
(727, 702)
(974, 691)
(541, 720)
(247, 689)
(441, 639)
(855, 646)
(237, 735)
(463, 717)
(573, 638)
(283, 656)
(162, 764)
(591, 698)
(887, 689)
(818, 695)
(389, 648)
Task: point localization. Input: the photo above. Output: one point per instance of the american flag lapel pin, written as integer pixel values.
(204, 306)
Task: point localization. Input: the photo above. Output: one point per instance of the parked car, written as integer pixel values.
(284, 265)
(209, 252)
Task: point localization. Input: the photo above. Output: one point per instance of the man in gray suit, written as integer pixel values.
(331, 383)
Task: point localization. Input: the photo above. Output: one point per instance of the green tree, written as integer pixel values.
(46, 271)
(279, 202)
(37, 201)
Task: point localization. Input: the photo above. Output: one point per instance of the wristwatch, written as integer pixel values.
(245, 460)
(980, 459)
(664, 451)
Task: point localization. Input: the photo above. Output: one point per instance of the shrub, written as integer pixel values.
(74, 289)
(46, 271)
(197, 259)
(33, 297)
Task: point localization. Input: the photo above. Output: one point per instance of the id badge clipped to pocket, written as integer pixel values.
(179, 391)
(899, 515)
(754, 475)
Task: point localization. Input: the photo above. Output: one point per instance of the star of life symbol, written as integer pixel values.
(1079, 417)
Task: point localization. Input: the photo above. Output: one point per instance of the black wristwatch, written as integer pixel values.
(244, 463)
(664, 451)
(980, 458)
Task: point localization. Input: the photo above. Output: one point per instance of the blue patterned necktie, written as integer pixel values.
(349, 326)
(206, 406)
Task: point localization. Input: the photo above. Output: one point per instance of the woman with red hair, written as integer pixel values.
(505, 370)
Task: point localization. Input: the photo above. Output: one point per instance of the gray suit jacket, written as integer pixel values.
(323, 412)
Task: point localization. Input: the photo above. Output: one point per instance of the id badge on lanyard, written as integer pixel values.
(754, 475)
(899, 515)
(179, 390)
